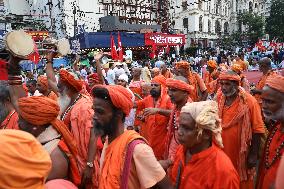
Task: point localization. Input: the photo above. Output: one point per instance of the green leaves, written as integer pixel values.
(275, 22)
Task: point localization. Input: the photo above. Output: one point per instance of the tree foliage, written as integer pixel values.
(275, 22)
(254, 25)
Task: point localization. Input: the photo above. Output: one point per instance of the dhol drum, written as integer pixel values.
(19, 44)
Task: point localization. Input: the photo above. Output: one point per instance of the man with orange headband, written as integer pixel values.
(24, 162)
(128, 161)
(8, 115)
(200, 91)
(38, 116)
(242, 126)
(200, 163)
(239, 68)
(157, 108)
(273, 109)
(210, 77)
(266, 69)
(76, 112)
(42, 87)
(179, 91)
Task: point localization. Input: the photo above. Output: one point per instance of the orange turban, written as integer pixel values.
(183, 65)
(159, 79)
(23, 161)
(180, 85)
(68, 78)
(41, 110)
(212, 64)
(60, 184)
(43, 80)
(276, 82)
(237, 68)
(229, 76)
(120, 97)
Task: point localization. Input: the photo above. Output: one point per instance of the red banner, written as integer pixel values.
(3, 70)
(160, 39)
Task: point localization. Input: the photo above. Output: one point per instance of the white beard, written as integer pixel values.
(277, 115)
(63, 101)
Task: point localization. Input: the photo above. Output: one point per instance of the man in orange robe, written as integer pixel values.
(42, 87)
(200, 91)
(128, 162)
(165, 72)
(273, 109)
(239, 67)
(179, 92)
(8, 115)
(210, 76)
(242, 126)
(77, 113)
(200, 163)
(266, 69)
(23, 161)
(157, 108)
(35, 114)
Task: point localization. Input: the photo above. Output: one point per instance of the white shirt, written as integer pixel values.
(110, 77)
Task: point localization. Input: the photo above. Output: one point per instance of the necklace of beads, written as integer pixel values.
(4, 126)
(277, 155)
(70, 107)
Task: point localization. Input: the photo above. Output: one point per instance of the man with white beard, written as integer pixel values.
(273, 108)
(242, 126)
(77, 113)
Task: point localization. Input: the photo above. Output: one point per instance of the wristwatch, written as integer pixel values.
(90, 164)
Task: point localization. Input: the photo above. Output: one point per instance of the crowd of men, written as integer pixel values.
(120, 126)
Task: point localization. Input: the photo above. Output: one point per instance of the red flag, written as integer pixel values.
(120, 50)
(3, 70)
(113, 49)
(35, 57)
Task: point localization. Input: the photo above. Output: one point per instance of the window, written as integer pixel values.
(184, 5)
(185, 22)
(200, 4)
(217, 27)
(250, 7)
(209, 26)
(200, 24)
(226, 28)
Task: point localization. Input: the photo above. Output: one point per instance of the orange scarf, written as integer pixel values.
(113, 165)
(242, 115)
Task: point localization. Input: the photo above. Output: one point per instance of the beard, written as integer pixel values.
(3, 113)
(276, 116)
(230, 93)
(107, 129)
(63, 101)
(155, 94)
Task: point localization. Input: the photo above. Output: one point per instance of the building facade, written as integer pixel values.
(206, 22)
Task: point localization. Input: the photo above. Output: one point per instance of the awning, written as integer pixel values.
(102, 39)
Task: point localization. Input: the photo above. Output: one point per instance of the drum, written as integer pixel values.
(19, 43)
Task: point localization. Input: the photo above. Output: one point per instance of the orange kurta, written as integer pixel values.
(156, 124)
(268, 175)
(52, 96)
(261, 83)
(111, 173)
(79, 120)
(198, 84)
(239, 121)
(209, 169)
(11, 121)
